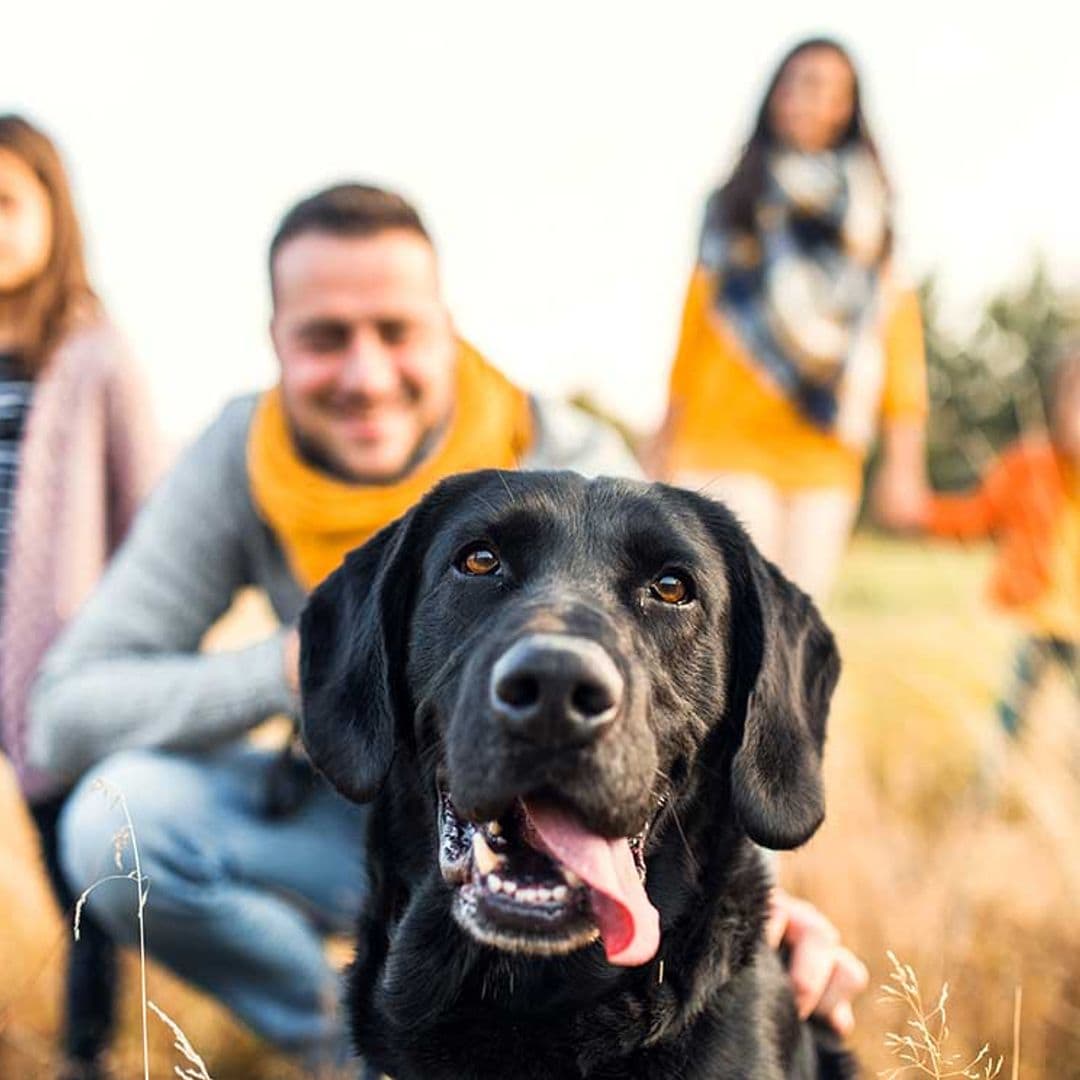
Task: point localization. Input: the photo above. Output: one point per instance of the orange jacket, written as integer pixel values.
(1021, 501)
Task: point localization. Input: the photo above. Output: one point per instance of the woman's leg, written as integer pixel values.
(90, 992)
(816, 529)
(751, 498)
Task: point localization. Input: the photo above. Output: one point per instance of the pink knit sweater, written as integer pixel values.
(88, 456)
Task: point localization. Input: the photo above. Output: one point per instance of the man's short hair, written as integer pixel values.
(352, 210)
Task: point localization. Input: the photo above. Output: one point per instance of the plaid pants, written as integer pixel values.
(1034, 658)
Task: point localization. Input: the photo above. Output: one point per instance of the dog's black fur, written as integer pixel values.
(718, 742)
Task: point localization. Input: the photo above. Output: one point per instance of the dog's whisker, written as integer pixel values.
(444, 671)
(667, 794)
(685, 842)
(506, 486)
(488, 506)
(429, 756)
(665, 791)
(708, 484)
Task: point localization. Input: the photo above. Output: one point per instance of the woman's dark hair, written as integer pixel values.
(47, 306)
(736, 201)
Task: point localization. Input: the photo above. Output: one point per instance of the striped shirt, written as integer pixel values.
(15, 394)
(16, 391)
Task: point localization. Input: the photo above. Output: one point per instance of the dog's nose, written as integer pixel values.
(556, 690)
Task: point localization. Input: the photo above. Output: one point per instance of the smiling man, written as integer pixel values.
(366, 345)
(378, 399)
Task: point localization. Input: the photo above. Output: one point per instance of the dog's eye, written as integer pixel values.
(672, 589)
(478, 561)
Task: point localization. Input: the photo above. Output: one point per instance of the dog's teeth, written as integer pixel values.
(543, 896)
(494, 882)
(486, 859)
(527, 895)
(571, 878)
(509, 887)
(559, 893)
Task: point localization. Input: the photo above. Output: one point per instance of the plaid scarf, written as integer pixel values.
(801, 291)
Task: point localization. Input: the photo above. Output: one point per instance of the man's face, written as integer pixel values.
(366, 348)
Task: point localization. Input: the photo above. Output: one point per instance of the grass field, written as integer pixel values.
(960, 857)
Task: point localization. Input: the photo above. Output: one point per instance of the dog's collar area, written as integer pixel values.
(512, 893)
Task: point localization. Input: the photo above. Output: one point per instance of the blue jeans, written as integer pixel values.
(1034, 659)
(239, 904)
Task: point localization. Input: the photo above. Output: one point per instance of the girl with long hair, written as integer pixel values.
(77, 452)
(797, 344)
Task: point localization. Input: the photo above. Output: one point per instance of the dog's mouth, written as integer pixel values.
(538, 881)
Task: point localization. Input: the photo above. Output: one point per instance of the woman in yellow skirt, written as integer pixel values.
(798, 346)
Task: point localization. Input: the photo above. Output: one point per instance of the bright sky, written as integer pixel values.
(559, 151)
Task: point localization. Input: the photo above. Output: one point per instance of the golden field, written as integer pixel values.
(960, 855)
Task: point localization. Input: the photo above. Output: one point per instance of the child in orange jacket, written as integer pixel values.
(1029, 501)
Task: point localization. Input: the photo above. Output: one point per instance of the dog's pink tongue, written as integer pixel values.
(629, 924)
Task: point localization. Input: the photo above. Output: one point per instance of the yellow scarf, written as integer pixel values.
(317, 518)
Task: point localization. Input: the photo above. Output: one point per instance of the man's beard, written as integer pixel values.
(317, 457)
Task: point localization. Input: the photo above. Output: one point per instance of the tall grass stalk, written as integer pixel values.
(196, 1068)
(121, 840)
(181, 1042)
(923, 1049)
(1017, 1004)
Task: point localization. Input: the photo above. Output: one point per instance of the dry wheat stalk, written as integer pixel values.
(199, 1071)
(923, 1049)
(121, 840)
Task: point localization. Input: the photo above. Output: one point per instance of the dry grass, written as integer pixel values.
(34, 938)
(972, 883)
(921, 1046)
(975, 888)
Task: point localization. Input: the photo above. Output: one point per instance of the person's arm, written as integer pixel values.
(133, 451)
(901, 487)
(568, 437)
(965, 516)
(825, 976)
(127, 671)
(684, 371)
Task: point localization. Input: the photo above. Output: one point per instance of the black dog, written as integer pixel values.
(576, 704)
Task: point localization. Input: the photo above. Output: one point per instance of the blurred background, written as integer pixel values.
(561, 156)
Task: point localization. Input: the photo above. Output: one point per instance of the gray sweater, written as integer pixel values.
(128, 671)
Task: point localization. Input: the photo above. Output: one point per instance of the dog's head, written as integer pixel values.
(555, 659)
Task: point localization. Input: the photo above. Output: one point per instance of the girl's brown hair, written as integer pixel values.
(46, 308)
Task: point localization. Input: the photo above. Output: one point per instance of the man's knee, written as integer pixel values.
(96, 839)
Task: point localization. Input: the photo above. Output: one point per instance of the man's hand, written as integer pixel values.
(825, 976)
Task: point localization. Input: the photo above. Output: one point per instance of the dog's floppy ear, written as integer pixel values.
(783, 668)
(776, 781)
(352, 646)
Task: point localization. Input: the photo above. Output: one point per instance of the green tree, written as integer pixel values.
(987, 389)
